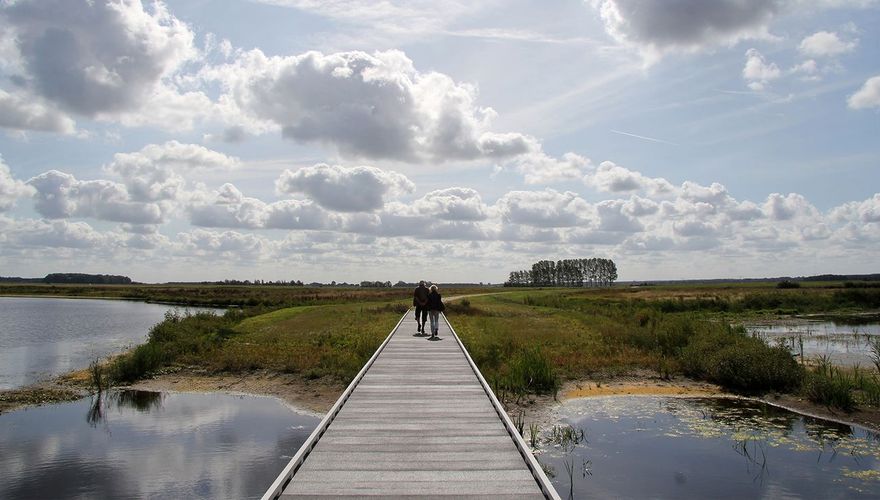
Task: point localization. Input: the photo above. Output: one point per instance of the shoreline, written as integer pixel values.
(316, 396)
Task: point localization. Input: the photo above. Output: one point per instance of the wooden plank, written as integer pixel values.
(418, 424)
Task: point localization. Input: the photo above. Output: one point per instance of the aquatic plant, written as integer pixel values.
(566, 437)
(534, 434)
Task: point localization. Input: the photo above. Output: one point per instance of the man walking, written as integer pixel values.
(420, 301)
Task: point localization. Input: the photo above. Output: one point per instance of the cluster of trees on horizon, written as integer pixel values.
(568, 272)
(72, 278)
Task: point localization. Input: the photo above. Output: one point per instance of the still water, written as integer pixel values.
(137, 444)
(842, 343)
(661, 447)
(44, 337)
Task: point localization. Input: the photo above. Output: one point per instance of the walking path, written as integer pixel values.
(419, 420)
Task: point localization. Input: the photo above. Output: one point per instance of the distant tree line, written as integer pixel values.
(567, 272)
(375, 284)
(89, 279)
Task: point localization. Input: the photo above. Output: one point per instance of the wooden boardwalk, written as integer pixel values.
(418, 421)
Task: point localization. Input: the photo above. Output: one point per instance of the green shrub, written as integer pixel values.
(740, 363)
(134, 365)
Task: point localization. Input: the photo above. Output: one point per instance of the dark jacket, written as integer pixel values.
(420, 296)
(435, 302)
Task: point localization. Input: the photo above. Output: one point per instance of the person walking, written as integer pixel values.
(420, 301)
(435, 307)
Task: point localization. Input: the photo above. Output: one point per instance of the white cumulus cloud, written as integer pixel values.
(612, 178)
(868, 96)
(365, 105)
(825, 44)
(60, 195)
(96, 57)
(455, 203)
(11, 189)
(345, 189)
(758, 72)
(547, 208)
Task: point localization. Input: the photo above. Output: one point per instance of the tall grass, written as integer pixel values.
(579, 334)
(841, 387)
(829, 385)
(313, 341)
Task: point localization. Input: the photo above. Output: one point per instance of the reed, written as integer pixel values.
(534, 435)
(831, 386)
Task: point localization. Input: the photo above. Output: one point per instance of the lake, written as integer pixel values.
(44, 337)
(138, 444)
(842, 343)
(663, 447)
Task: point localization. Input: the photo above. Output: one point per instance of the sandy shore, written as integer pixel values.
(316, 396)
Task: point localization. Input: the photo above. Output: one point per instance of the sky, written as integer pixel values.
(447, 140)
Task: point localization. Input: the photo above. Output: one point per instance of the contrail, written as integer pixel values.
(661, 141)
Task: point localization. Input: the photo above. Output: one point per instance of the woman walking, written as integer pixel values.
(435, 307)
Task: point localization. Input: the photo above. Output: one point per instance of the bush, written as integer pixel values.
(137, 363)
(179, 334)
(740, 363)
(788, 284)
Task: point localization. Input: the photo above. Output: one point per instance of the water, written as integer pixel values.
(44, 337)
(139, 444)
(842, 343)
(661, 447)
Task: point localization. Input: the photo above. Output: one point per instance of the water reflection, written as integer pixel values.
(135, 444)
(43, 337)
(843, 342)
(142, 401)
(707, 448)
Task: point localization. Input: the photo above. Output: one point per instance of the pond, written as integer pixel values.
(136, 444)
(45, 337)
(842, 343)
(664, 447)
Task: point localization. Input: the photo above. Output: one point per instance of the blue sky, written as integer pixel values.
(350, 140)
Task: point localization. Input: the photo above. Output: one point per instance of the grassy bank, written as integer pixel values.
(313, 341)
(532, 340)
(529, 340)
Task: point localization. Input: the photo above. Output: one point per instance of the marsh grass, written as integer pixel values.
(829, 385)
(841, 387)
(531, 340)
(314, 341)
